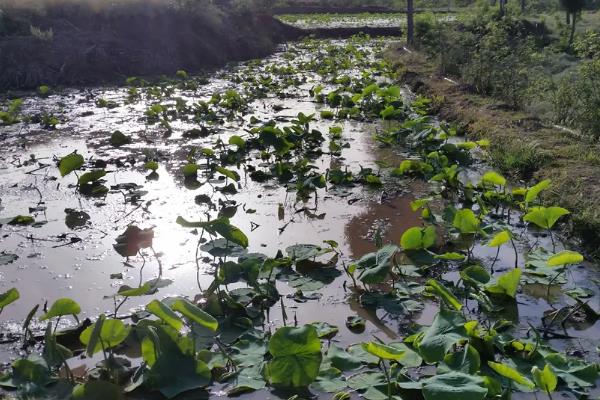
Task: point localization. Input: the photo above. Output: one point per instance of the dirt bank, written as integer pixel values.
(522, 145)
(334, 33)
(73, 45)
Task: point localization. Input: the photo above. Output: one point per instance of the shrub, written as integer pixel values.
(492, 55)
(500, 64)
(588, 45)
(517, 157)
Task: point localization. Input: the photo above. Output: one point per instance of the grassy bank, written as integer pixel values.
(522, 145)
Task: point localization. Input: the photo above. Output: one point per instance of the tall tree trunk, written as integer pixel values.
(523, 6)
(568, 18)
(410, 22)
(502, 7)
(574, 17)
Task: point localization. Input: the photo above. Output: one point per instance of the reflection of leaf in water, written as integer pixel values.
(76, 219)
(118, 139)
(538, 271)
(132, 240)
(300, 252)
(7, 258)
(204, 199)
(312, 279)
(390, 303)
(222, 247)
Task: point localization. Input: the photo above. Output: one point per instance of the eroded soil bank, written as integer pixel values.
(75, 45)
(566, 158)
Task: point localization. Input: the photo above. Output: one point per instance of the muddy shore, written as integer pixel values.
(563, 157)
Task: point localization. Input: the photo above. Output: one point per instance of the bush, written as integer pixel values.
(588, 45)
(491, 55)
(518, 157)
(576, 98)
(500, 64)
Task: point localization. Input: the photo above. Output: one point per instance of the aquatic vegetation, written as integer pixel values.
(11, 115)
(247, 324)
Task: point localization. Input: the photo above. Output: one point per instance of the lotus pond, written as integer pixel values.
(380, 20)
(293, 227)
(341, 20)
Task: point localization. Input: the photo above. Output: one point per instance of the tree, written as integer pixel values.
(410, 22)
(572, 7)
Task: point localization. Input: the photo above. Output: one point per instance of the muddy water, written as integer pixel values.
(51, 265)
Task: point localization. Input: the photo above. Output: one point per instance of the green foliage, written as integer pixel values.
(445, 331)
(466, 221)
(11, 115)
(296, 356)
(544, 379)
(70, 163)
(151, 165)
(383, 352)
(43, 90)
(8, 297)
(97, 390)
(500, 239)
(418, 238)
(493, 178)
(160, 310)
(443, 293)
(21, 220)
(224, 339)
(506, 284)
(92, 176)
(543, 217)
(510, 373)
(489, 54)
(454, 386)
(565, 257)
(62, 307)
(219, 226)
(375, 267)
(195, 314)
(104, 334)
(574, 98)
